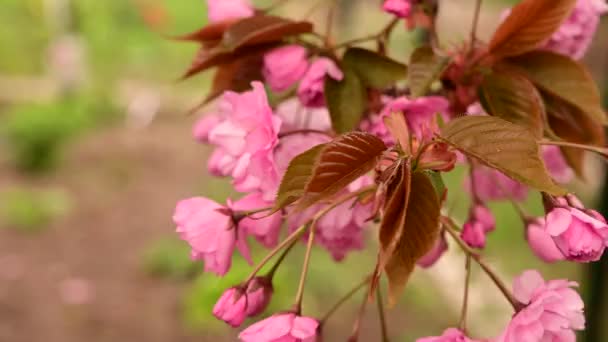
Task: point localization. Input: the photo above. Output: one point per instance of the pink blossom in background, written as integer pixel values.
(76, 291)
(400, 8)
(287, 327)
(419, 113)
(553, 310)
(432, 256)
(203, 127)
(293, 145)
(556, 164)
(493, 185)
(285, 66)
(246, 139)
(310, 91)
(219, 10)
(209, 229)
(295, 116)
(266, 229)
(237, 303)
(480, 223)
(449, 335)
(541, 242)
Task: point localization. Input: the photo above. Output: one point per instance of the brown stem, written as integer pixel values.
(381, 315)
(300, 293)
(277, 263)
(357, 325)
(345, 298)
(475, 23)
(329, 24)
(376, 36)
(599, 150)
(465, 299)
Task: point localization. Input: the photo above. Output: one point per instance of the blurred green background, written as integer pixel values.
(95, 150)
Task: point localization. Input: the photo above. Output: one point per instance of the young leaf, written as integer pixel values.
(297, 176)
(210, 35)
(425, 68)
(236, 76)
(530, 23)
(565, 78)
(512, 97)
(346, 100)
(397, 126)
(417, 229)
(339, 163)
(261, 29)
(375, 70)
(504, 146)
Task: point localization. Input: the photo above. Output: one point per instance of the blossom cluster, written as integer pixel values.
(255, 142)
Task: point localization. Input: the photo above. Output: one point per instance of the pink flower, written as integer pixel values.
(579, 235)
(286, 327)
(493, 185)
(541, 242)
(285, 66)
(295, 116)
(553, 310)
(209, 229)
(576, 33)
(246, 138)
(293, 145)
(556, 164)
(419, 113)
(310, 91)
(432, 256)
(450, 335)
(203, 126)
(265, 229)
(219, 10)
(481, 221)
(400, 8)
(237, 303)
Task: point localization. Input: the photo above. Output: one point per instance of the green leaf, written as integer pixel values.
(512, 97)
(437, 181)
(341, 162)
(346, 100)
(501, 145)
(530, 23)
(296, 177)
(409, 228)
(375, 70)
(564, 78)
(425, 68)
(262, 29)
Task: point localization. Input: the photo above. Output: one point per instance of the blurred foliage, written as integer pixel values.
(31, 211)
(170, 258)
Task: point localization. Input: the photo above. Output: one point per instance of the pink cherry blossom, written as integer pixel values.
(238, 303)
(400, 8)
(209, 229)
(553, 310)
(576, 33)
(293, 145)
(285, 66)
(286, 327)
(245, 141)
(556, 164)
(203, 126)
(449, 335)
(265, 228)
(541, 242)
(493, 185)
(480, 223)
(310, 91)
(219, 10)
(295, 116)
(432, 256)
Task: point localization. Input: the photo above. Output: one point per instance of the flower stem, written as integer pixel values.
(599, 150)
(451, 229)
(300, 293)
(354, 336)
(475, 23)
(383, 34)
(465, 298)
(381, 316)
(277, 263)
(345, 298)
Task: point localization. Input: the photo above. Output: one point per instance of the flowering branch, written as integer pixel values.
(300, 293)
(345, 298)
(599, 150)
(381, 315)
(465, 298)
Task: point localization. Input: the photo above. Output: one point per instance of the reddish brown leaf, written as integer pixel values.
(261, 29)
(210, 35)
(396, 124)
(236, 76)
(501, 145)
(342, 161)
(530, 23)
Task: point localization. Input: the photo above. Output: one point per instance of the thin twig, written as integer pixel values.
(465, 298)
(300, 293)
(357, 325)
(305, 131)
(385, 31)
(599, 150)
(381, 315)
(277, 263)
(329, 24)
(475, 23)
(345, 298)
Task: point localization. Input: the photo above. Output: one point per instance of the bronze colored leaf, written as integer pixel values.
(375, 70)
(210, 35)
(512, 97)
(346, 100)
(262, 29)
(397, 126)
(571, 124)
(236, 76)
(409, 228)
(501, 145)
(530, 23)
(564, 78)
(297, 176)
(341, 162)
(424, 69)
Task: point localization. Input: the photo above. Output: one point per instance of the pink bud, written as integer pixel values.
(450, 335)
(259, 293)
(481, 221)
(231, 307)
(287, 327)
(399, 8)
(285, 66)
(219, 10)
(310, 91)
(431, 257)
